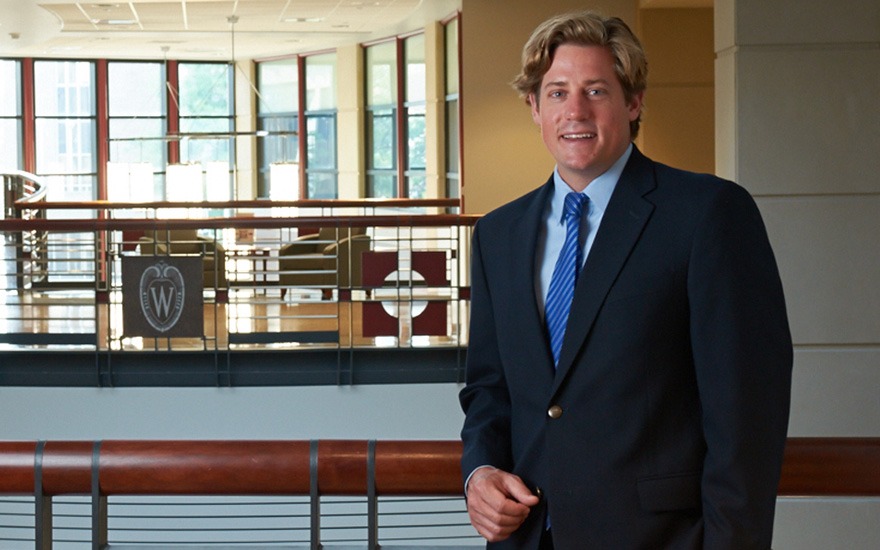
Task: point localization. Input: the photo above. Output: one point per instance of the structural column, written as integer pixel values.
(797, 93)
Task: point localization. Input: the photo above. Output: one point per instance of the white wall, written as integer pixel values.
(411, 411)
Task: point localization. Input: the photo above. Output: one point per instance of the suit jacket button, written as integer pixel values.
(554, 412)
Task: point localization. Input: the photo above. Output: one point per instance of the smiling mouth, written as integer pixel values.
(585, 135)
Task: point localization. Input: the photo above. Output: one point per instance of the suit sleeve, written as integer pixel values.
(743, 358)
(484, 399)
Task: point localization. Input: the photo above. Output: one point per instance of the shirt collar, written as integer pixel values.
(598, 191)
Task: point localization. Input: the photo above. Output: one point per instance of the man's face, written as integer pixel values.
(582, 112)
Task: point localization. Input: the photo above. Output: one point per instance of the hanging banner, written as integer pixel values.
(162, 296)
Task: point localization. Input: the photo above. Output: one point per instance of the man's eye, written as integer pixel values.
(595, 92)
(556, 93)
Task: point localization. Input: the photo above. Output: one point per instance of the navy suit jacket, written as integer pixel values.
(674, 377)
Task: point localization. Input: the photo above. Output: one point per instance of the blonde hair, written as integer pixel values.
(585, 28)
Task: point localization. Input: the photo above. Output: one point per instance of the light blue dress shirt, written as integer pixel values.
(552, 232)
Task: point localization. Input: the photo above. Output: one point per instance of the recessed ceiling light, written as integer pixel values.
(303, 19)
(114, 21)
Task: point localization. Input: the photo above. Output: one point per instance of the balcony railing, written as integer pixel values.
(396, 486)
(354, 278)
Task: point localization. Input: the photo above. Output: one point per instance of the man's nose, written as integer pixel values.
(578, 108)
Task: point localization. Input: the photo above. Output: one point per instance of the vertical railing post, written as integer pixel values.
(42, 504)
(372, 498)
(315, 497)
(99, 502)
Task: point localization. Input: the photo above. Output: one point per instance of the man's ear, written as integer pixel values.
(635, 106)
(535, 107)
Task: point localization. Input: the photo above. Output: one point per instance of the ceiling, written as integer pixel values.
(203, 29)
(214, 29)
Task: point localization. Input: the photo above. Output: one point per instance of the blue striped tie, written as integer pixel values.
(565, 273)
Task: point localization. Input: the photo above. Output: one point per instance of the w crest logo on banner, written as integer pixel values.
(162, 292)
(162, 296)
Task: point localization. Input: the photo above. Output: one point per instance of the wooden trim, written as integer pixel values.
(90, 224)
(813, 467)
(255, 204)
(816, 466)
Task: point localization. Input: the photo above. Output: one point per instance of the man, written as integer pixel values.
(657, 420)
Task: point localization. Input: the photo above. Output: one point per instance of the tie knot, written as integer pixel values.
(574, 205)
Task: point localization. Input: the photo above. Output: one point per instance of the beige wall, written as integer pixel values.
(678, 124)
(798, 124)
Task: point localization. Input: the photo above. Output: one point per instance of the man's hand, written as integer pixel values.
(498, 503)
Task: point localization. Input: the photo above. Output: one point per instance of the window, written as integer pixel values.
(320, 117)
(281, 84)
(65, 125)
(10, 115)
(453, 147)
(205, 99)
(381, 123)
(414, 109)
(137, 113)
(396, 83)
(278, 112)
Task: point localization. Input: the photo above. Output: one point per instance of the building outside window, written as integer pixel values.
(65, 122)
(10, 115)
(65, 128)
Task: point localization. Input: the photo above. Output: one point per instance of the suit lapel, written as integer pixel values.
(622, 224)
(525, 237)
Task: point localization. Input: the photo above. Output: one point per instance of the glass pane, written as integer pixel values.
(10, 137)
(382, 74)
(416, 186)
(321, 185)
(451, 57)
(204, 150)
(321, 82)
(205, 89)
(278, 86)
(415, 142)
(452, 136)
(136, 89)
(150, 150)
(64, 88)
(381, 139)
(452, 187)
(321, 144)
(279, 148)
(383, 186)
(272, 149)
(70, 188)
(10, 86)
(65, 146)
(415, 68)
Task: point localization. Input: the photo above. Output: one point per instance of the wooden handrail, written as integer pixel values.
(246, 204)
(812, 467)
(231, 467)
(105, 224)
(816, 466)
